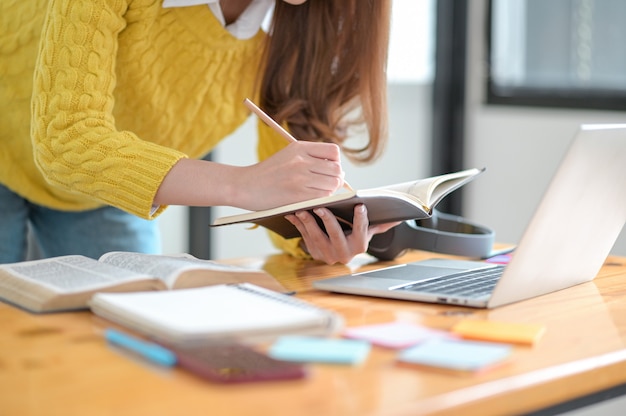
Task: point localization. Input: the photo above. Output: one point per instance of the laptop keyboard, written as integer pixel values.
(474, 283)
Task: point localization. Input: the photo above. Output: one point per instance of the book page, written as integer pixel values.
(68, 274)
(167, 268)
(414, 190)
(430, 191)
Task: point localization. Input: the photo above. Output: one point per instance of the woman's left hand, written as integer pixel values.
(335, 245)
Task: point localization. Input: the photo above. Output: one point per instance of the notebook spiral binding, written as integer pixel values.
(280, 297)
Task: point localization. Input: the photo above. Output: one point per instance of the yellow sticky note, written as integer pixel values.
(517, 333)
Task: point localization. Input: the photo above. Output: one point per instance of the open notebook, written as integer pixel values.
(570, 235)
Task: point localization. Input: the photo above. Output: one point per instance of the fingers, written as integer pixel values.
(327, 167)
(311, 168)
(323, 162)
(318, 243)
(333, 245)
(324, 151)
(328, 176)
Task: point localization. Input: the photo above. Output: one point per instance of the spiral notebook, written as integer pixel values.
(236, 312)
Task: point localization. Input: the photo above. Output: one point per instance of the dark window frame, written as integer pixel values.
(563, 98)
(448, 105)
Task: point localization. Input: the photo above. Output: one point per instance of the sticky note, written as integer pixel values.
(394, 334)
(517, 333)
(499, 259)
(323, 350)
(457, 355)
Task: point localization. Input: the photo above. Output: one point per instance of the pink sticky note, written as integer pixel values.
(395, 334)
(500, 259)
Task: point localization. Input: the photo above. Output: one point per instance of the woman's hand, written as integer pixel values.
(301, 171)
(334, 245)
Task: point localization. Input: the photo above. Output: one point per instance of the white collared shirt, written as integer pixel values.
(245, 27)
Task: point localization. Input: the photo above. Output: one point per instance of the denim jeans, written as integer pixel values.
(90, 233)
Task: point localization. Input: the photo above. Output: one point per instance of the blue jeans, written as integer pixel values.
(90, 233)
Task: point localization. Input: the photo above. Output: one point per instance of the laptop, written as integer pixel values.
(566, 242)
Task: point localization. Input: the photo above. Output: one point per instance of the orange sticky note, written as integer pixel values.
(516, 333)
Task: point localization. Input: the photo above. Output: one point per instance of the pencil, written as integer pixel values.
(269, 120)
(278, 128)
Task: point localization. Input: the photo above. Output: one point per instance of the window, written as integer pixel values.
(411, 43)
(559, 53)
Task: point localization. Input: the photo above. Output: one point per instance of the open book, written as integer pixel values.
(189, 318)
(398, 202)
(68, 282)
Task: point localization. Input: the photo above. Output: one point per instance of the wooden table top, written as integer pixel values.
(60, 363)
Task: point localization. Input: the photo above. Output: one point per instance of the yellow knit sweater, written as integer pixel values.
(122, 90)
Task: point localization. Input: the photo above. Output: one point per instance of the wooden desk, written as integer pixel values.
(60, 364)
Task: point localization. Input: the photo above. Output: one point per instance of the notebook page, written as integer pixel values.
(213, 310)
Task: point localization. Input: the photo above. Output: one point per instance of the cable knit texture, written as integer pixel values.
(121, 91)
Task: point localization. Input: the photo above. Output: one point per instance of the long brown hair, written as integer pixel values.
(325, 59)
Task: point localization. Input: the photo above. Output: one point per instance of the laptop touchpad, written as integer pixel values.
(411, 272)
(395, 276)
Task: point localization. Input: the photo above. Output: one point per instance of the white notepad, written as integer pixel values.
(216, 313)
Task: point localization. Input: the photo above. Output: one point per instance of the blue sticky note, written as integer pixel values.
(323, 350)
(456, 354)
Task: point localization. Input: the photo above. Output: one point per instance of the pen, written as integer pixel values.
(278, 128)
(153, 352)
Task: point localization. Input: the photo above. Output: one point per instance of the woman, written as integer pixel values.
(128, 95)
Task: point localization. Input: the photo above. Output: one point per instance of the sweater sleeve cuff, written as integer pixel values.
(290, 246)
(135, 190)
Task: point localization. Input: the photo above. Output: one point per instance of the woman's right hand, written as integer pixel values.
(301, 171)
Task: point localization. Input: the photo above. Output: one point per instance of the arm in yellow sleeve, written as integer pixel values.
(75, 141)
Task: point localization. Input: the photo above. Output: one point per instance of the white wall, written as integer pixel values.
(521, 148)
(174, 227)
